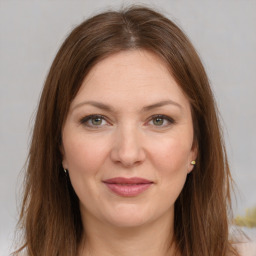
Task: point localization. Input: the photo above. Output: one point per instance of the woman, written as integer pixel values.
(127, 156)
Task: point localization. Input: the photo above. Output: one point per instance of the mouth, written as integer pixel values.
(128, 187)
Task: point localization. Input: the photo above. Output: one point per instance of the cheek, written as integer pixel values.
(171, 162)
(83, 154)
(84, 158)
(171, 155)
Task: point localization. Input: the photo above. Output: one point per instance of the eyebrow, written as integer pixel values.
(160, 104)
(95, 104)
(106, 107)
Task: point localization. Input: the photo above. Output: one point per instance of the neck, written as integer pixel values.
(102, 239)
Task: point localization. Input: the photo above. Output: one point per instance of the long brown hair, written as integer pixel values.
(50, 216)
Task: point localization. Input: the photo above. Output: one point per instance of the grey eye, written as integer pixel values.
(158, 121)
(96, 121)
(161, 121)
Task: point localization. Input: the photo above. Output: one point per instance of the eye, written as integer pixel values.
(161, 121)
(94, 121)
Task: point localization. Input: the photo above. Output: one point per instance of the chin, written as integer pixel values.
(128, 221)
(128, 216)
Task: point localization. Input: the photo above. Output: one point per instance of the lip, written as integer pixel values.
(128, 187)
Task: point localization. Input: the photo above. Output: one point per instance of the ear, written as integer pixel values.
(192, 157)
(64, 161)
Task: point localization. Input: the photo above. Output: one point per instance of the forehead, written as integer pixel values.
(135, 76)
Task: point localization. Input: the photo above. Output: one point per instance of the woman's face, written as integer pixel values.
(128, 141)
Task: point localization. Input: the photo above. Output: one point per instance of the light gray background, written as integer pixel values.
(31, 32)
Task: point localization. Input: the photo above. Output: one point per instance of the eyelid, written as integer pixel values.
(168, 118)
(84, 120)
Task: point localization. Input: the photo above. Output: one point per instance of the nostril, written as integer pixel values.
(127, 157)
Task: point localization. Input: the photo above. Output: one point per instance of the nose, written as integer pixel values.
(127, 148)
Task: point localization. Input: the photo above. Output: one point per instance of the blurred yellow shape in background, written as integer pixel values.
(249, 220)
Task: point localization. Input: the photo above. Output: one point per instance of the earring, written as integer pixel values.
(193, 162)
(65, 170)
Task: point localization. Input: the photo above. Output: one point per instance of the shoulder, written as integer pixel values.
(246, 248)
(243, 240)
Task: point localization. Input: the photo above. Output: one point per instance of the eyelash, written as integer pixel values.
(86, 119)
(165, 118)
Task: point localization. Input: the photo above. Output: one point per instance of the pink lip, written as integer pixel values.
(128, 187)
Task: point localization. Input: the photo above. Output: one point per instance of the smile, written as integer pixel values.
(127, 187)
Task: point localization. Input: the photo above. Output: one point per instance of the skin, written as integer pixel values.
(129, 142)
